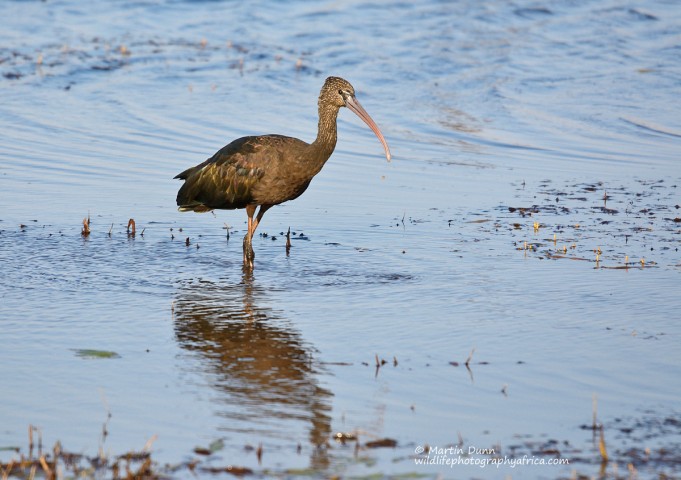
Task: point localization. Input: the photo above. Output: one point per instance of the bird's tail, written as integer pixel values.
(200, 208)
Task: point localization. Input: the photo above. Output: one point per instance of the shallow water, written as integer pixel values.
(501, 117)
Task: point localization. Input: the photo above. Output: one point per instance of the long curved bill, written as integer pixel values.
(353, 104)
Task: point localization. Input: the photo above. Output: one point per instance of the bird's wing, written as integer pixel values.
(226, 179)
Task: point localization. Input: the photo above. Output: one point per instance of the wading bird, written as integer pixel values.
(266, 170)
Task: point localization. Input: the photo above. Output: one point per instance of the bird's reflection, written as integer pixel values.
(256, 360)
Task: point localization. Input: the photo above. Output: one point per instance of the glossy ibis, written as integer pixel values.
(266, 170)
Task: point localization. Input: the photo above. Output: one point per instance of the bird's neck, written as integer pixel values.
(327, 135)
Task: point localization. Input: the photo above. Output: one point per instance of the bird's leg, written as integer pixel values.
(249, 255)
(261, 212)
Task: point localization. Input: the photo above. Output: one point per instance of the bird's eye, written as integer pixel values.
(341, 92)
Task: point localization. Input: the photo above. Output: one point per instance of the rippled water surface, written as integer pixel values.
(529, 222)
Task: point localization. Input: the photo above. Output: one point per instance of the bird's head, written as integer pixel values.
(340, 93)
(336, 91)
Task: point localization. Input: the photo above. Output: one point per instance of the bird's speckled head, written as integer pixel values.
(336, 91)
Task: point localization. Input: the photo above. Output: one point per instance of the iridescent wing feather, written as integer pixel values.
(226, 180)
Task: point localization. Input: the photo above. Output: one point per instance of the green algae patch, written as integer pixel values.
(94, 354)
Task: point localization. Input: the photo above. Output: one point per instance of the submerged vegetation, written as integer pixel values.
(637, 448)
(610, 227)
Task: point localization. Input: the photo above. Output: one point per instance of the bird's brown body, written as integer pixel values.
(267, 170)
(262, 170)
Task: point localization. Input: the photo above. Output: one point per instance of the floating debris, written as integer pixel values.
(382, 443)
(344, 437)
(234, 470)
(85, 232)
(470, 357)
(214, 447)
(131, 227)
